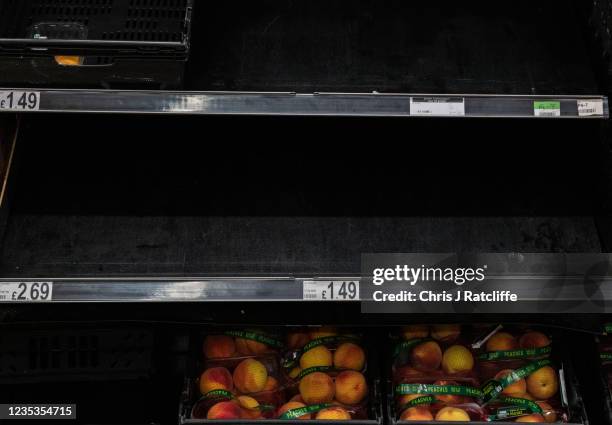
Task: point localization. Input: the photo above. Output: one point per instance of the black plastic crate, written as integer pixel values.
(74, 354)
(119, 43)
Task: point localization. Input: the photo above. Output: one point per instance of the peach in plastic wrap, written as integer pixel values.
(224, 410)
(216, 378)
(250, 376)
(317, 387)
(351, 387)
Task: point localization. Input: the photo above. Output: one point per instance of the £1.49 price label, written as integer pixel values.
(331, 290)
(19, 100)
(26, 291)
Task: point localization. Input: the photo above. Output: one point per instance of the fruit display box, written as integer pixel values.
(604, 346)
(284, 375)
(482, 373)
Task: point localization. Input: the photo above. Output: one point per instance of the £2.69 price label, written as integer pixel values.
(331, 290)
(19, 100)
(26, 291)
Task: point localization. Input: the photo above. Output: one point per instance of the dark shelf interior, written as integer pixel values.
(392, 46)
(109, 195)
(388, 46)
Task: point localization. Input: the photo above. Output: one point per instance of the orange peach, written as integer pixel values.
(293, 373)
(249, 407)
(501, 341)
(322, 332)
(317, 356)
(333, 413)
(449, 398)
(349, 356)
(457, 359)
(250, 376)
(407, 372)
(535, 417)
(292, 405)
(534, 339)
(516, 389)
(526, 396)
(453, 414)
(296, 340)
(547, 411)
(297, 397)
(415, 331)
(426, 356)
(351, 387)
(224, 410)
(317, 387)
(543, 383)
(417, 413)
(248, 347)
(271, 384)
(216, 378)
(445, 333)
(219, 347)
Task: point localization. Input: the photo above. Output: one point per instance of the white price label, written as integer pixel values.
(331, 290)
(437, 106)
(20, 100)
(588, 108)
(26, 291)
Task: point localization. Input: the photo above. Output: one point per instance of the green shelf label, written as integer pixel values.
(547, 108)
(547, 105)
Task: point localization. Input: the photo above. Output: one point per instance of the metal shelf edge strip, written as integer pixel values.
(252, 103)
(166, 290)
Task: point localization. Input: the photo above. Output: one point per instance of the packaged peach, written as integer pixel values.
(228, 344)
(436, 352)
(461, 412)
(529, 393)
(250, 386)
(326, 385)
(503, 347)
(604, 344)
(323, 348)
(526, 410)
(240, 375)
(297, 409)
(326, 370)
(438, 400)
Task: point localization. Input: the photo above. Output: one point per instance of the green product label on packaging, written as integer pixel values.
(330, 340)
(426, 399)
(404, 389)
(605, 356)
(219, 395)
(608, 328)
(407, 346)
(256, 336)
(301, 411)
(227, 395)
(310, 370)
(504, 413)
(493, 388)
(513, 408)
(516, 354)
